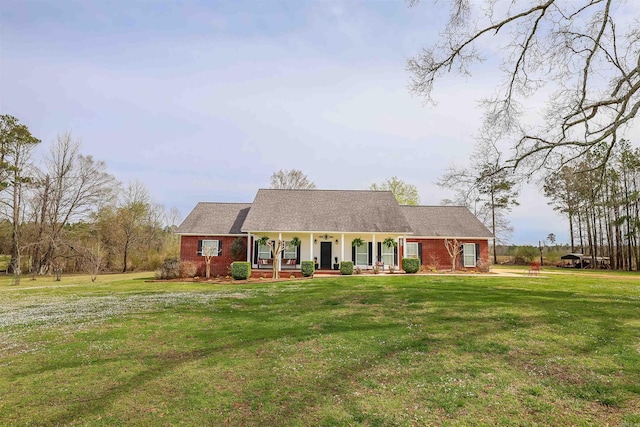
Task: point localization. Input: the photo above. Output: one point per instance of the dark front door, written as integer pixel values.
(325, 255)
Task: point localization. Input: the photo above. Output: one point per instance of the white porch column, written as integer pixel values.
(249, 247)
(404, 249)
(311, 246)
(342, 247)
(374, 249)
(279, 257)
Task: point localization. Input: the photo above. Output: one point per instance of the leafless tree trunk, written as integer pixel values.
(208, 252)
(276, 247)
(453, 248)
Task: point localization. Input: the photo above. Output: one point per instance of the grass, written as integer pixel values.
(363, 350)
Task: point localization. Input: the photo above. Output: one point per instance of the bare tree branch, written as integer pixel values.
(584, 54)
(291, 180)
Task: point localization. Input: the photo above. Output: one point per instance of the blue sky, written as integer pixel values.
(203, 101)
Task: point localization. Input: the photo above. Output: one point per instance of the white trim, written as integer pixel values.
(398, 233)
(215, 252)
(405, 252)
(451, 237)
(342, 247)
(268, 251)
(280, 242)
(387, 253)
(366, 262)
(287, 243)
(464, 254)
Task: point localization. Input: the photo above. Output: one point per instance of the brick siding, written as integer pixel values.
(220, 265)
(434, 253)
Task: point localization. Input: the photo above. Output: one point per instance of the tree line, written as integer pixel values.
(582, 56)
(66, 212)
(601, 204)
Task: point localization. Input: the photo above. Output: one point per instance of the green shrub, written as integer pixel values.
(346, 268)
(241, 270)
(410, 265)
(307, 268)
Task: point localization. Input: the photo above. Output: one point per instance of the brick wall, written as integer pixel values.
(220, 265)
(434, 253)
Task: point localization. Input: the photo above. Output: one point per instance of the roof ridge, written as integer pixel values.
(227, 203)
(435, 206)
(322, 189)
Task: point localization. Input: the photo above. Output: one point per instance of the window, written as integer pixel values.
(469, 254)
(412, 250)
(290, 251)
(209, 247)
(264, 252)
(388, 255)
(362, 255)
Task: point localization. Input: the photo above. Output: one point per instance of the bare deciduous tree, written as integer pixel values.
(291, 180)
(453, 249)
(94, 257)
(172, 218)
(487, 183)
(71, 187)
(208, 252)
(583, 53)
(131, 216)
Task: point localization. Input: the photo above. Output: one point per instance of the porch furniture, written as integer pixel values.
(265, 262)
(534, 269)
(289, 263)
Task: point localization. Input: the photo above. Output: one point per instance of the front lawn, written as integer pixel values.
(362, 350)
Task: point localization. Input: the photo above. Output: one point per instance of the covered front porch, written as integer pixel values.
(327, 250)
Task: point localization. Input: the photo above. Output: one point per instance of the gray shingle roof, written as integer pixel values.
(215, 218)
(325, 210)
(331, 210)
(444, 221)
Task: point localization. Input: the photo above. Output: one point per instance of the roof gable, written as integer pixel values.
(444, 221)
(325, 210)
(215, 218)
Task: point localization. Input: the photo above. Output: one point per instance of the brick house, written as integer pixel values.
(326, 222)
